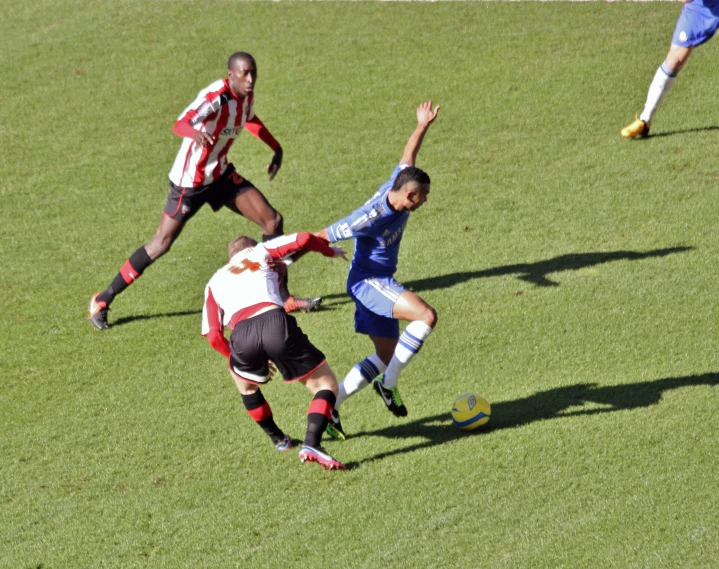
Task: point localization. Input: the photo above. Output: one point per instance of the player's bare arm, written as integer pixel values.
(425, 117)
(258, 129)
(274, 166)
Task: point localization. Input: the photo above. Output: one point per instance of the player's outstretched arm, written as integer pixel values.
(258, 129)
(302, 241)
(425, 117)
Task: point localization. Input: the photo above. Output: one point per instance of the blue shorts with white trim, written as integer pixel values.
(696, 24)
(374, 300)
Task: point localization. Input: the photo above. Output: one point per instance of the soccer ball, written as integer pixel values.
(471, 412)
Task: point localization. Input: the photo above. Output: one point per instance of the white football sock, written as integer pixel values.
(408, 345)
(663, 79)
(359, 377)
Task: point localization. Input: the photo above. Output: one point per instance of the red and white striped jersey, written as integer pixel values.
(248, 282)
(220, 113)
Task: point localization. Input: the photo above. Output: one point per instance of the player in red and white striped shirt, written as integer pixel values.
(201, 173)
(244, 296)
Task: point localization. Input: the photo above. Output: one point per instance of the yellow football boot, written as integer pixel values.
(636, 128)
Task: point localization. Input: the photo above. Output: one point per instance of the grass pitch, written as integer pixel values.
(574, 274)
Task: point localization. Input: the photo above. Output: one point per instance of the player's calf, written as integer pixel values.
(260, 411)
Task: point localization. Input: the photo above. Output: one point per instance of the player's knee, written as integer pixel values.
(274, 224)
(333, 387)
(323, 379)
(246, 388)
(677, 58)
(429, 316)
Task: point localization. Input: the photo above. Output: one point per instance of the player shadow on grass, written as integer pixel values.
(684, 131)
(535, 273)
(545, 405)
(128, 319)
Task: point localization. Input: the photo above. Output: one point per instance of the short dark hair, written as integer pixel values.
(410, 174)
(238, 244)
(240, 55)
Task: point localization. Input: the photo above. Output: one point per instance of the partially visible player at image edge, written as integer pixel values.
(697, 23)
(244, 296)
(380, 301)
(201, 173)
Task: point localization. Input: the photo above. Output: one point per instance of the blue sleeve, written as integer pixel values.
(361, 220)
(353, 225)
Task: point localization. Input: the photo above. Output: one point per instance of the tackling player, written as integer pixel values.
(696, 25)
(201, 173)
(244, 296)
(380, 301)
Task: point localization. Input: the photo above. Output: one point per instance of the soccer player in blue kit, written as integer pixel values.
(696, 25)
(380, 301)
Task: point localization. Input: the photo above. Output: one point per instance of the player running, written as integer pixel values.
(201, 173)
(696, 25)
(380, 301)
(244, 295)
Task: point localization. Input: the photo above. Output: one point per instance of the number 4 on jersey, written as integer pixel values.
(243, 266)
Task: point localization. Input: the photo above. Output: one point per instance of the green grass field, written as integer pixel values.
(574, 273)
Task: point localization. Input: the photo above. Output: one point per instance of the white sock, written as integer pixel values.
(663, 79)
(359, 377)
(409, 344)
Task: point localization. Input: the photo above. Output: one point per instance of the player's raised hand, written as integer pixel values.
(204, 140)
(274, 166)
(425, 114)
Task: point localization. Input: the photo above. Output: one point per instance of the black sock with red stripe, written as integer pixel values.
(261, 413)
(129, 272)
(318, 415)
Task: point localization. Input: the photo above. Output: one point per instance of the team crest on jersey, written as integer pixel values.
(682, 36)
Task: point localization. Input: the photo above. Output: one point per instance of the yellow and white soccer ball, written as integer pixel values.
(471, 412)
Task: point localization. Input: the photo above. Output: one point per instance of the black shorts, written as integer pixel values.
(183, 203)
(272, 335)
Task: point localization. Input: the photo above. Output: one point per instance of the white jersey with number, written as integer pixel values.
(221, 114)
(247, 280)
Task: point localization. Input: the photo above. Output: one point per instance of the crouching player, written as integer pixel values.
(245, 295)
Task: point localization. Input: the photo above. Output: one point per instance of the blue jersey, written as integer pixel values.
(707, 3)
(377, 230)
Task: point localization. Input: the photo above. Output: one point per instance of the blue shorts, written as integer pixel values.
(696, 24)
(374, 300)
